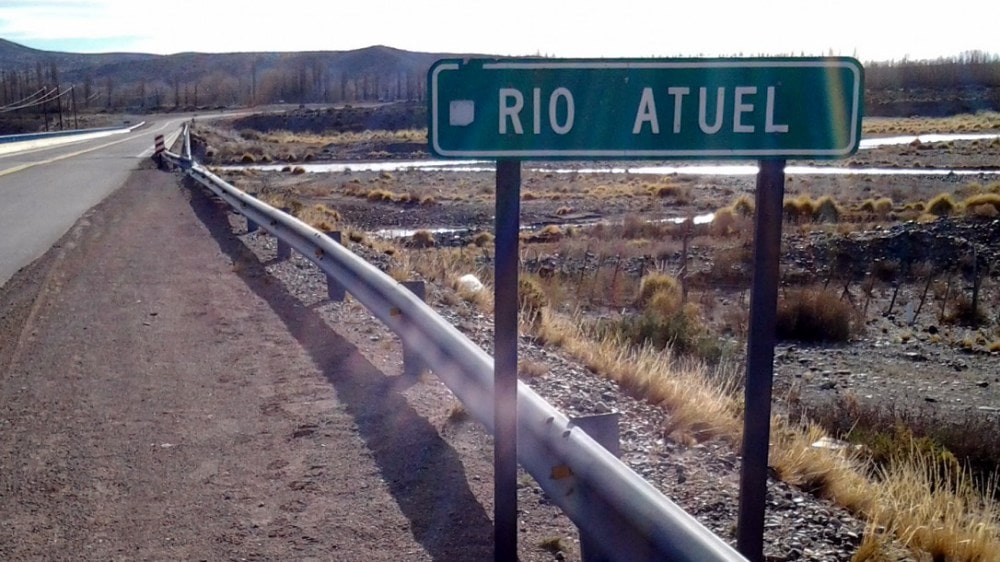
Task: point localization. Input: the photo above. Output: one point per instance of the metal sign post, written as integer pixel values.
(760, 358)
(505, 309)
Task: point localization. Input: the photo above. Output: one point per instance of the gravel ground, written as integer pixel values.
(703, 479)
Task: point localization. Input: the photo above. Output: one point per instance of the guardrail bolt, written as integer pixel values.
(334, 291)
(602, 428)
(412, 365)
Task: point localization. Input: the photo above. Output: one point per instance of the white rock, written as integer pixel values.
(469, 283)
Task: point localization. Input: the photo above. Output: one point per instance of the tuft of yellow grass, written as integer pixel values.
(700, 407)
(929, 508)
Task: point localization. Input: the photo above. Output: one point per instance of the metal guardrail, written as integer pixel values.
(23, 137)
(616, 509)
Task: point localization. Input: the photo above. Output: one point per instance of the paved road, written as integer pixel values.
(44, 191)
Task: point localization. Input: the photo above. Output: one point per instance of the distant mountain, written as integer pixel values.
(135, 81)
(31, 80)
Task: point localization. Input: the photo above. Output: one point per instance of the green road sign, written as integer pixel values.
(645, 108)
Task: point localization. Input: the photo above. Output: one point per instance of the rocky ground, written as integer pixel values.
(917, 365)
(703, 479)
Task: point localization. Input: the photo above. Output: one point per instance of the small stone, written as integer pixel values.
(828, 385)
(983, 384)
(930, 399)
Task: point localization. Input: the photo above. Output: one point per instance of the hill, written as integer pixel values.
(132, 81)
(32, 80)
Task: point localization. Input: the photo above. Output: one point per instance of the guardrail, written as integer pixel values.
(618, 512)
(23, 137)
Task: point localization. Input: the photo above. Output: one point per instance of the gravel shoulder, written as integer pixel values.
(155, 404)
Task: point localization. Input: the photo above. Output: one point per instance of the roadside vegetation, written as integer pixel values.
(661, 309)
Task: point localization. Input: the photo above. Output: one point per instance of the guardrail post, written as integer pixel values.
(412, 365)
(334, 291)
(284, 250)
(158, 149)
(602, 428)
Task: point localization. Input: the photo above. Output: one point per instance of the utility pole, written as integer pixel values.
(76, 120)
(59, 106)
(45, 107)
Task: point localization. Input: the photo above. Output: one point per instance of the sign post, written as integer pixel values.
(505, 309)
(760, 358)
(766, 109)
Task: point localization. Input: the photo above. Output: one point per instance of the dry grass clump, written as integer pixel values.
(422, 239)
(805, 209)
(876, 208)
(931, 508)
(726, 223)
(815, 315)
(483, 239)
(826, 210)
(743, 206)
(380, 195)
(834, 475)
(531, 298)
(941, 205)
(701, 406)
(799, 209)
(663, 321)
(320, 217)
(984, 205)
(654, 283)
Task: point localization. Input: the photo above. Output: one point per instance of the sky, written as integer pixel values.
(871, 30)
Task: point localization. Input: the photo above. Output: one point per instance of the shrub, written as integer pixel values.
(883, 206)
(983, 205)
(814, 315)
(379, 195)
(482, 239)
(941, 205)
(248, 158)
(531, 299)
(654, 283)
(826, 210)
(744, 206)
(799, 209)
(724, 222)
(682, 330)
(879, 208)
(422, 239)
(668, 190)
